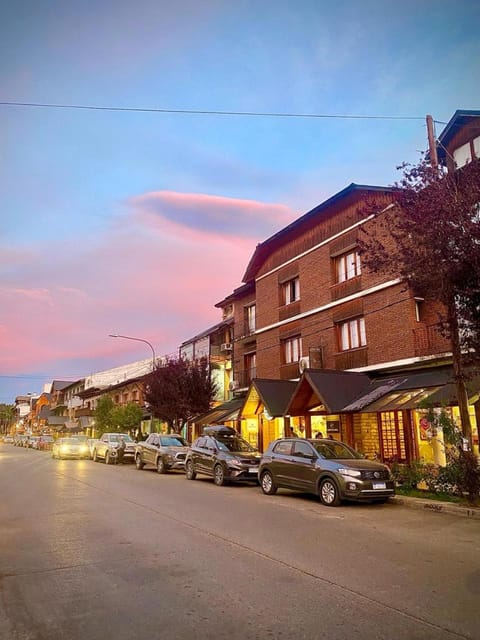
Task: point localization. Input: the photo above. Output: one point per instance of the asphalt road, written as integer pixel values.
(93, 552)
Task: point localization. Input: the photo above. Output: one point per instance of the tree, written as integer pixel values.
(179, 390)
(126, 417)
(435, 229)
(7, 417)
(103, 414)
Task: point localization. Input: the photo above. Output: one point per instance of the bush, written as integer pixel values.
(407, 475)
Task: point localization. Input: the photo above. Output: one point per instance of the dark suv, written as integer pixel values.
(327, 468)
(221, 453)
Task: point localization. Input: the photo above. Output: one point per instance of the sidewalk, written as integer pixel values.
(451, 508)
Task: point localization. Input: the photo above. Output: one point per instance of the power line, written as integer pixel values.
(206, 112)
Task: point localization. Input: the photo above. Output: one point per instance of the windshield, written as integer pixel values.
(69, 441)
(116, 437)
(233, 443)
(172, 441)
(335, 450)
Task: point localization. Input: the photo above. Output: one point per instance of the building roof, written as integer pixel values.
(314, 216)
(208, 332)
(326, 388)
(274, 395)
(460, 118)
(221, 413)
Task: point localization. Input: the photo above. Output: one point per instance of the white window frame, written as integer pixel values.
(462, 155)
(347, 266)
(292, 349)
(291, 291)
(351, 334)
(250, 313)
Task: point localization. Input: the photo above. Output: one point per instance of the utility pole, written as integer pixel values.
(432, 144)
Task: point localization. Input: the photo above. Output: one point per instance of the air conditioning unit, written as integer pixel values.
(232, 385)
(226, 346)
(303, 363)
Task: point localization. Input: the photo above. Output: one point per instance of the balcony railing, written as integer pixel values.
(429, 340)
(245, 377)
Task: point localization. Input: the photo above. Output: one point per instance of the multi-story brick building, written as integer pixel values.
(308, 303)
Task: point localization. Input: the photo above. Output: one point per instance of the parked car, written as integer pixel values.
(8, 440)
(328, 468)
(106, 448)
(163, 451)
(69, 448)
(32, 442)
(222, 454)
(45, 443)
(91, 445)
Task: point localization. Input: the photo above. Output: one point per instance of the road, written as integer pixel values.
(93, 552)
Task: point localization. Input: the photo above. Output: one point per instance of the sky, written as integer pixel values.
(138, 223)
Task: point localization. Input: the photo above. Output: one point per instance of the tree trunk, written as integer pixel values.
(459, 373)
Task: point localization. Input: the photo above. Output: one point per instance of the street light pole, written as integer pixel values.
(116, 335)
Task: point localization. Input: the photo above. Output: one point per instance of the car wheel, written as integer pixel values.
(161, 466)
(107, 458)
(329, 494)
(95, 456)
(267, 484)
(138, 463)
(219, 476)
(190, 471)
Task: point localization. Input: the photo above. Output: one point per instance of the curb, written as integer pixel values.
(437, 506)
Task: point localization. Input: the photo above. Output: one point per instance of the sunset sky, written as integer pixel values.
(138, 222)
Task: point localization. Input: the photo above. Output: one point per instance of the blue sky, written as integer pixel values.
(138, 223)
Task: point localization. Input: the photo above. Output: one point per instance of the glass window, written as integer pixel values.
(352, 334)
(283, 448)
(250, 318)
(291, 291)
(172, 441)
(476, 147)
(462, 155)
(347, 266)
(292, 349)
(302, 449)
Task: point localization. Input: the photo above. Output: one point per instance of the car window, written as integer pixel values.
(302, 449)
(336, 451)
(172, 441)
(233, 443)
(200, 443)
(283, 448)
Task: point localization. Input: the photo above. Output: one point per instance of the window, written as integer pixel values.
(352, 334)
(462, 155)
(476, 147)
(283, 448)
(250, 318)
(250, 367)
(291, 291)
(292, 349)
(302, 449)
(347, 266)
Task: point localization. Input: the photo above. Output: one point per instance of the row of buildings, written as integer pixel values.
(313, 340)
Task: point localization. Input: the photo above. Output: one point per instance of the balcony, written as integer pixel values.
(351, 359)
(429, 340)
(346, 288)
(244, 378)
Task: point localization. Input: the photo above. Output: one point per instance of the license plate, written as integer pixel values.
(253, 470)
(379, 485)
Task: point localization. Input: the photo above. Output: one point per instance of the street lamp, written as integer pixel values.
(116, 335)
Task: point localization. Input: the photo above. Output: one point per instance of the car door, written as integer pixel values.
(209, 455)
(302, 469)
(198, 457)
(150, 448)
(279, 465)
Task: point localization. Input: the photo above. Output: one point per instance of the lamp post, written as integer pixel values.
(116, 335)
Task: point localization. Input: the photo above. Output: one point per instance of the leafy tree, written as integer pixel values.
(126, 417)
(179, 390)
(7, 417)
(431, 238)
(103, 414)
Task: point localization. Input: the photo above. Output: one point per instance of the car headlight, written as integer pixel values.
(63, 449)
(83, 449)
(353, 473)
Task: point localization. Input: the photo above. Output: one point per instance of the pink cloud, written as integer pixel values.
(215, 214)
(155, 272)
